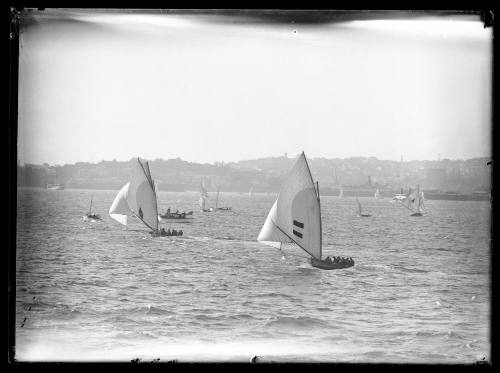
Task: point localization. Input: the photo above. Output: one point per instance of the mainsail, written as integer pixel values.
(377, 194)
(203, 195)
(359, 206)
(295, 217)
(414, 200)
(137, 198)
(341, 193)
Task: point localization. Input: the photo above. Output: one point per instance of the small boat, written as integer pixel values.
(341, 193)
(89, 215)
(295, 217)
(183, 217)
(360, 213)
(217, 203)
(322, 264)
(55, 186)
(137, 198)
(377, 194)
(204, 198)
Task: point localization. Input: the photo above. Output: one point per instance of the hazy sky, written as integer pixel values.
(218, 88)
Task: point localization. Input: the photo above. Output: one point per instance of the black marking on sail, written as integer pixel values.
(298, 234)
(298, 224)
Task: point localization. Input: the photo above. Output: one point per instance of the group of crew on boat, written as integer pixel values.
(339, 260)
(175, 214)
(169, 232)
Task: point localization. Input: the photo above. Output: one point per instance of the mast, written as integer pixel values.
(317, 195)
(320, 225)
(151, 183)
(90, 210)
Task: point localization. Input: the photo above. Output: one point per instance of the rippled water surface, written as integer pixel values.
(419, 292)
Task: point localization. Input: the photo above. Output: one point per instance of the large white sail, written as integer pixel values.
(377, 194)
(119, 209)
(341, 193)
(142, 196)
(137, 198)
(296, 216)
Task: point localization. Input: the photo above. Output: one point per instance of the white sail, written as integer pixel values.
(142, 196)
(270, 234)
(203, 190)
(296, 216)
(202, 203)
(419, 200)
(377, 194)
(359, 206)
(341, 194)
(119, 209)
(137, 198)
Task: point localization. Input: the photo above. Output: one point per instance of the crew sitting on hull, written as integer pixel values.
(170, 233)
(339, 260)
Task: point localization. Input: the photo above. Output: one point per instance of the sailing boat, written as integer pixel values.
(377, 194)
(203, 198)
(137, 198)
(295, 217)
(250, 192)
(414, 201)
(89, 215)
(217, 202)
(359, 209)
(341, 193)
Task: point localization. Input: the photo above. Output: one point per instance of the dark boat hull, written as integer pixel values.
(328, 266)
(416, 214)
(177, 220)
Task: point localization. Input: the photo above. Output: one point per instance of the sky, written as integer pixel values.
(105, 85)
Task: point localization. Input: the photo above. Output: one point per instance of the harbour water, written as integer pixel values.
(98, 291)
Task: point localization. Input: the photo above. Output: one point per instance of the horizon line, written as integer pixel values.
(246, 160)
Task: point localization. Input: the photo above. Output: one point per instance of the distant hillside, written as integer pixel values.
(266, 174)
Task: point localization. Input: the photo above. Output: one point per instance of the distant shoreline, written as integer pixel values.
(385, 194)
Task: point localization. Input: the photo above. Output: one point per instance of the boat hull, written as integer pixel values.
(417, 214)
(178, 220)
(321, 264)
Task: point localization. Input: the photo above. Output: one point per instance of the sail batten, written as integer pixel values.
(296, 215)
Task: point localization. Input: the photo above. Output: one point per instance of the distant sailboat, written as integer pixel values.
(295, 217)
(137, 198)
(204, 198)
(414, 201)
(377, 194)
(360, 213)
(89, 215)
(341, 193)
(217, 202)
(250, 192)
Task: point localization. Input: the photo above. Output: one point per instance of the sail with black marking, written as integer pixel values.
(295, 217)
(137, 198)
